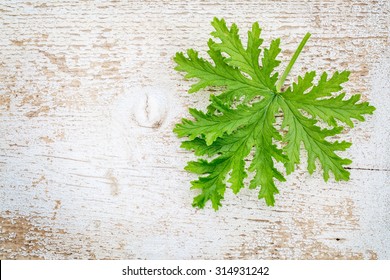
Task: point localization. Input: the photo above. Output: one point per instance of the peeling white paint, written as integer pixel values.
(90, 168)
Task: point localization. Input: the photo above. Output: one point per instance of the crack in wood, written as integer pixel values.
(368, 169)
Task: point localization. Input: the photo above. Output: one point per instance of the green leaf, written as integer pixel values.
(212, 126)
(239, 124)
(244, 59)
(303, 129)
(328, 109)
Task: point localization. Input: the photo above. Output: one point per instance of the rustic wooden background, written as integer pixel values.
(90, 168)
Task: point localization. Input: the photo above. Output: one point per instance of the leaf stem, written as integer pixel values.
(280, 82)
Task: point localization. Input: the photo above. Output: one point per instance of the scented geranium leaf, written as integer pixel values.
(326, 87)
(269, 63)
(256, 133)
(328, 109)
(219, 146)
(219, 74)
(265, 153)
(247, 60)
(200, 147)
(340, 109)
(213, 185)
(213, 126)
(240, 126)
(200, 167)
(230, 96)
(304, 130)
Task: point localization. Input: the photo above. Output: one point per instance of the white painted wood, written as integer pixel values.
(90, 168)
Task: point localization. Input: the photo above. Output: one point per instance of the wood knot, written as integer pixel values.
(149, 107)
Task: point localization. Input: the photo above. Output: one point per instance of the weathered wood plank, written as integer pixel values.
(89, 167)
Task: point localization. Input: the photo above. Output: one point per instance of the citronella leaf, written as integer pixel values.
(239, 125)
(328, 109)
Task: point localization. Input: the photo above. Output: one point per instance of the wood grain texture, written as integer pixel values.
(90, 168)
